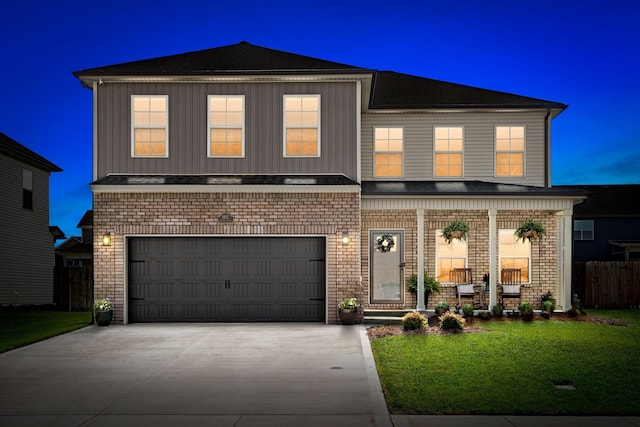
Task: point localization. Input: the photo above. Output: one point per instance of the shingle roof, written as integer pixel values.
(241, 58)
(87, 220)
(402, 91)
(608, 201)
(224, 180)
(14, 149)
(461, 188)
(390, 90)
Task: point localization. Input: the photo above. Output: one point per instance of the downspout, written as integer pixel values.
(547, 148)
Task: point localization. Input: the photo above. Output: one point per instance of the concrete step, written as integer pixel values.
(383, 317)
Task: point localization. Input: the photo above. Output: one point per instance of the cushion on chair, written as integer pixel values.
(465, 290)
(510, 289)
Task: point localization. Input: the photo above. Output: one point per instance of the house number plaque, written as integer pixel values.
(225, 217)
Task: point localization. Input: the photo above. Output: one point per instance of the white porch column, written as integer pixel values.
(420, 243)
(493, 266)
(566, 258)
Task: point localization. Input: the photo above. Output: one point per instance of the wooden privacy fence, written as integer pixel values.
(609, 284)
(73, 288)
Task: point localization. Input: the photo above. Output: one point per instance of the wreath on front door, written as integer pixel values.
(384, 243)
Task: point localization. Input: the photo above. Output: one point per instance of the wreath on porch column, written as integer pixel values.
(385, 242)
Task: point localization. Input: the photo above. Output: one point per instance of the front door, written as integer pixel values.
(387, 266)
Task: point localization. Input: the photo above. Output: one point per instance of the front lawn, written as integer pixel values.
(514, 367)
(19, 328)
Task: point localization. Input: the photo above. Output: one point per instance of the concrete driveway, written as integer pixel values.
(194, 374)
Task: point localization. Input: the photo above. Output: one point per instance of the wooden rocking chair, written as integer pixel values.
(463, 279)
(511, 284)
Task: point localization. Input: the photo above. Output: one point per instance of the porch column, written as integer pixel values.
(493, 267)
(566, 242)
(420, 243)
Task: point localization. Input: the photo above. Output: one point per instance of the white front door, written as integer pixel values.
(386, 266)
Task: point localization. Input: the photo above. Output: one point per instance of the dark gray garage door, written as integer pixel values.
(226, 279)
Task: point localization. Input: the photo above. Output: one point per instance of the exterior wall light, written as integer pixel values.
(345, 238)
(106, 240)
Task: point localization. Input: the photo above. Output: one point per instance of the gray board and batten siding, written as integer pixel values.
(263, 129)
(479, 143)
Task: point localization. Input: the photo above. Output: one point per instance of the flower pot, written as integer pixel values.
(348, 316)
(457, 234)
(530, 234)
(103, 318)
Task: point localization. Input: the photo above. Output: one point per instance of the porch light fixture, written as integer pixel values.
(345, 238)
(106, 240)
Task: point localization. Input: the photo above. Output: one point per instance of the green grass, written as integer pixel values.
(512, 368)
(19, 328)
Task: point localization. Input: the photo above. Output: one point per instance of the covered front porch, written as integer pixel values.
(489, 262)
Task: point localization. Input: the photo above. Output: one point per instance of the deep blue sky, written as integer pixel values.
(582, 53)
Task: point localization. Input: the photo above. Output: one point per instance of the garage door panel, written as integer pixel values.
(226, 279)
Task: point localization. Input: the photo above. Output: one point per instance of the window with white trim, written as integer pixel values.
(302, 125)
(27, 189)
(449, 256)
(149, 123)
(510, 150)
(388, 152)
(447, 151)
(514, 253)
(226, 126)
(582, 229)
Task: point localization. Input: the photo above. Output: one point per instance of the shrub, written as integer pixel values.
(497, 310)
(467, 309)
(430, 283)
(414, 320)
(548, 306)
(451, 321)
(526, 309)
(442, 307)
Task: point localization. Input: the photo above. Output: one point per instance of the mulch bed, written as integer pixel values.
(377, 332)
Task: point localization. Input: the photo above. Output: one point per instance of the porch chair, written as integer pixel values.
(463, 279)
(510, 278)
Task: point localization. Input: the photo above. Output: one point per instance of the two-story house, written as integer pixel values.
(26, 254)
(242, 183)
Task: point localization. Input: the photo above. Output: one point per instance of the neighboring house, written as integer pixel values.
(77, 251)
(26, 257)
(606, 226)
(242, 183)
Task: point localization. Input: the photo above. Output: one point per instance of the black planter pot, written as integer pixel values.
(348, 317)
(103, 318)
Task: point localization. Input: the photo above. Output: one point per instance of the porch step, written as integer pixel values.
(384, 317)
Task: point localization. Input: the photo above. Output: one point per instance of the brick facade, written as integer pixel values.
(254, 214)
(544, 255)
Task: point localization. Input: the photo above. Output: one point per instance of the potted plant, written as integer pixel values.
(348, 311)
(531, 229)
(103, 311)
(526, 310)
(548, 303)
(430, 285)
(442, 308)
(457, 229)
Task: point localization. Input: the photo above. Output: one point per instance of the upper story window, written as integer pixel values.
(27, 189)
(582, 229)
(388, 152)
(509, 150)
(302, 125)
(149, 134)
(449, 256)
(514, 253)
(226, 126)
(447, 146)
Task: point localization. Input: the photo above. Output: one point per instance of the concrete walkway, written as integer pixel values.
(214, 375)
